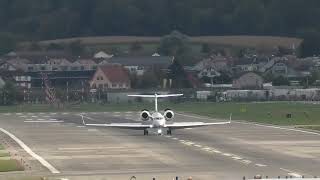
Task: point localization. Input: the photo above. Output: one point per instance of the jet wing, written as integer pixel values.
(183, 125)
(136, 126)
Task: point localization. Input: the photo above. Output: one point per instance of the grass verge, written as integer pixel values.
(6, 163)
(10, 165)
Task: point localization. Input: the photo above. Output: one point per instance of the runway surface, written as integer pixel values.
(216, 152)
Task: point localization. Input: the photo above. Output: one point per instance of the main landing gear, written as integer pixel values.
(169, 132)
(145, 132)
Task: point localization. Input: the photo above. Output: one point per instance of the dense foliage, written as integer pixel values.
(50, 19)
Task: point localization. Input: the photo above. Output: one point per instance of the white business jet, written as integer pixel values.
(156, 120)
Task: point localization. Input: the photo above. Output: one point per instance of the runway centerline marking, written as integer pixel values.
(213, 150)
(31, 153)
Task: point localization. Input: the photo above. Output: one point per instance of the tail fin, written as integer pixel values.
(156, 96)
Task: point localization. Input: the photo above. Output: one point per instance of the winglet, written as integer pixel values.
(83, 122)
(230, 118)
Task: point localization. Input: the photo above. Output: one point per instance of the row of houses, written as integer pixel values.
(133, 64)
(246, 72)
(312, 94)
(103, 71)
(286, 66)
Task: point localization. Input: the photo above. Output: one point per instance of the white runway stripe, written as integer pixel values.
(43, 121)
(30, 152)
(261, 165)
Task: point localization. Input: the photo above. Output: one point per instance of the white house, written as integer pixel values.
(156, 55)
(102, 55)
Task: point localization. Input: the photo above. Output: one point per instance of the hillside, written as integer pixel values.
(239, 41)
(53, 19)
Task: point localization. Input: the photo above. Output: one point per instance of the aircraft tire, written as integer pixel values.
(145, 132)
(169, 132)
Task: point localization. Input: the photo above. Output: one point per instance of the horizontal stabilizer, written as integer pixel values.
(156, 95)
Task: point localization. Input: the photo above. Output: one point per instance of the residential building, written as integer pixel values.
(219, 63)
(110, 77)
(59, 64)
(84, 65)
(23, 81)
(8, 67)
(208, 72)
(248, 81)
(139, 65)
(15, 64)
(279, 69)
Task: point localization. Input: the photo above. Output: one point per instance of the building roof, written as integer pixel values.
(85, 62)
(102, 54)
(142, 61)
(156, 55)
(61, 61)
(115, 73)
(38, 56)
(18, 61)
(245, 74)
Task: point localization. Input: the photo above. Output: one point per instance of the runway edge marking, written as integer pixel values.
(248, 123)
(29, 151)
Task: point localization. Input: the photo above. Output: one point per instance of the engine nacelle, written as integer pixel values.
(168, 114)
(145, 115)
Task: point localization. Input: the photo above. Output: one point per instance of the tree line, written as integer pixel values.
(51, 19)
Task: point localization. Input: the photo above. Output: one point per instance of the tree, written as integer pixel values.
(280, 81)
(178, 75)
(7, 43)
(76, 48)
(175, 44)
(52, 19)
(310, 45)
(284, 51)
(205, 48)
(9, 93)
(148, 80)
(136, 47)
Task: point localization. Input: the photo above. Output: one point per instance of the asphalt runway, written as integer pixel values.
(217, 152)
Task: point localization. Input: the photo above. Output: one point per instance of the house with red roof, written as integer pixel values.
(111, 76)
